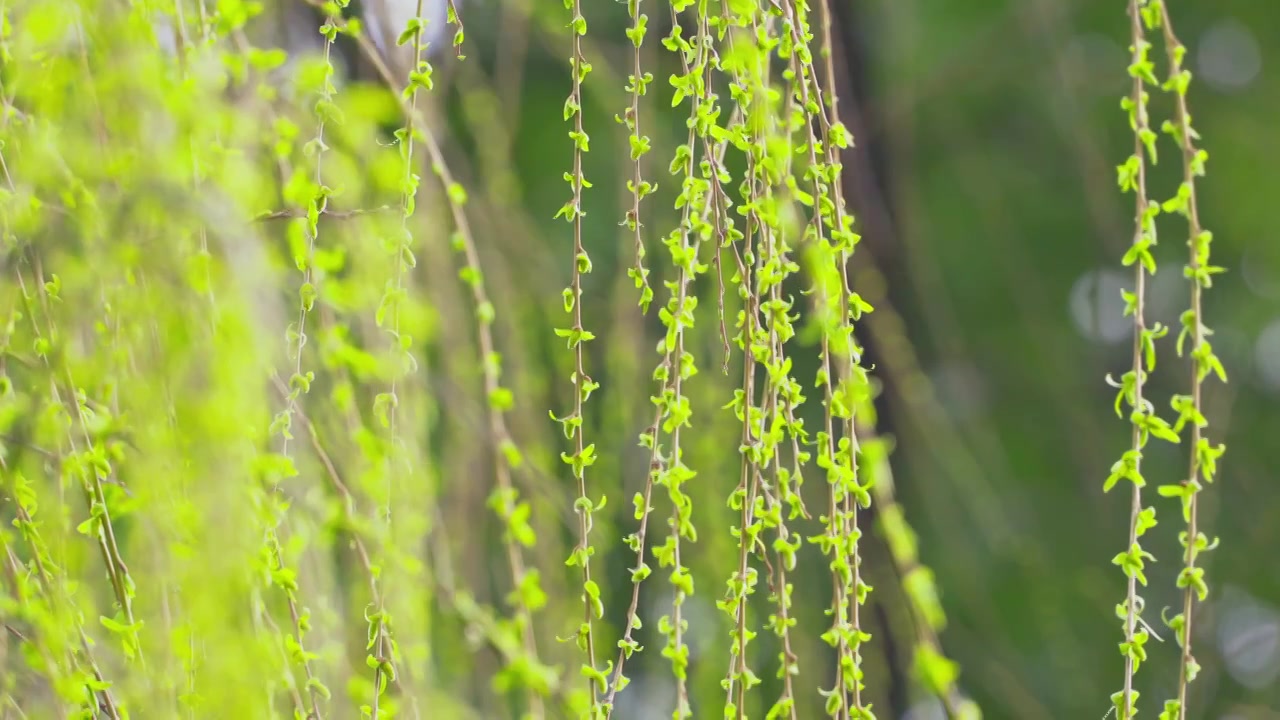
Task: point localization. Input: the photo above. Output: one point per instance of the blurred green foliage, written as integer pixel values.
(986, 137)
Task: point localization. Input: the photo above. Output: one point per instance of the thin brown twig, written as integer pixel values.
(295, 213)
(1197, 264)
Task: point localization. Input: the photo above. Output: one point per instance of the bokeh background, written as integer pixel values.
(987, 136)
(983, 177)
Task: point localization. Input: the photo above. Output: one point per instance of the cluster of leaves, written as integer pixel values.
(788, 209)
(1151, 15)
(191, 498)
(135, 368)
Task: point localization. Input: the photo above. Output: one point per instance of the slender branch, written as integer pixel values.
(299, 213)
(1203, 456)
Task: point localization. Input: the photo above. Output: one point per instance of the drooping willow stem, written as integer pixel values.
(583, 455)
(1132, 177)
(1203, 455)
